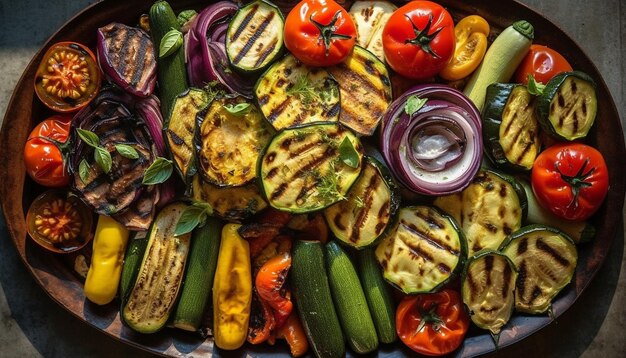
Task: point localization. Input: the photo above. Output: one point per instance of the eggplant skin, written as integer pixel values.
(127, 56)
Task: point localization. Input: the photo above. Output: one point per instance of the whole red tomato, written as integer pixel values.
(571, 180)
(45, 163)
(418, 39)
(319, 32)
(543, 63)
(432, 324)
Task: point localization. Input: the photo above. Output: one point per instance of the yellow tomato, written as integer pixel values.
(471, 44)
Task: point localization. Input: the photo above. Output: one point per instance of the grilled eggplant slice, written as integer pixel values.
(567, 107)
(370, 18)
(490, 208)
(487, 289)
(127, 53)
(255, 36)
(230, 135)
(510, 127)
(370, 207)
(423, 252)
(180, 127)
(138, 216)
(365, 90)
(150, 302)
(545, 258)
(304, 169)
(231, 204)
(290, 93)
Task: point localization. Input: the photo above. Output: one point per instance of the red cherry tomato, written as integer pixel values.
(543, 63)
(44, 160)
(432, 324)
(319, 32)
(571, 180)
(418, 39)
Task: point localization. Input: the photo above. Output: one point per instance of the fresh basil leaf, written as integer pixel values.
(90, 138)
(206, 206)
(348, 154)
(83, 171)
(127, 151)
(535, 88)
(191, 217)
(238, 109)
(158, 172)
(185, 16)
(103, 158)
(413, 104)
(170, 42)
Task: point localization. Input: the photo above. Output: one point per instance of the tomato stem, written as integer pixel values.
(63, 147)
(422, 38)
(577, 181)
(327, 32)
(430, 317)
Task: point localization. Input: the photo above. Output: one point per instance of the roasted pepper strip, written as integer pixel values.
(471, 44)
(104, 273)
(232, 290)
(269, 284)
(262, 320)
(293, 332)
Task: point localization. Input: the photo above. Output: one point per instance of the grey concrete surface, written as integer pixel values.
(32, 325)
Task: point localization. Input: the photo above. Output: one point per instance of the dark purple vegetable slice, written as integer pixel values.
(127, 57)
(434, 149)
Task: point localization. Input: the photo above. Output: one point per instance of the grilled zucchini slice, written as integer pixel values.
(233, 204)
(423, 252)
(567, 107)
(370, 207)
(545, 258)
(228, 141)
(487, 289)
(510, 127)
(306, 168)
(490, 208)
(255, 36)
(180, 127)
(290, 93)
(365, 90)
(370, 18)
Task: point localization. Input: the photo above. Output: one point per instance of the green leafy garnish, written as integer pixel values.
(535, 88)
(304, 89)
(239, 109)
(127, 151)
(359, 202)
(170, 42)
(101, 155)
(158, 172)
(348, 154)
(413, 104)
(327, 185)
(90, 138)
(193, 216)
(185, 16)
(83, 170)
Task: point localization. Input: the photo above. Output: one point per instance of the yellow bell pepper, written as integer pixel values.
(109, 245)
(232, 290)
(471, 44)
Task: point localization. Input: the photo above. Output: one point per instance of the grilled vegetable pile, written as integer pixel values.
(262, 174)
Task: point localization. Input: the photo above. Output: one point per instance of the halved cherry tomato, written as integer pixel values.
(471, 44)
(571, 180)
(543, 63)
(43, 154)
(418, 39)
(319, 32)
(68, 77)
(432, 324)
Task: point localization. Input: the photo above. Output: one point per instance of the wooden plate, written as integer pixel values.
(56, 277)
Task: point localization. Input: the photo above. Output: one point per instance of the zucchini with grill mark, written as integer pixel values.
(493, 206)
(290, 93)
(488, 289)
(302, 169)
(423, 252)
(546, 259)
(567, 107)
(180, 127)
(510, 127)
(255, 36)
(228, 142)
(370, 207)
(160, 274)
(365, 90)
(233, 204)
